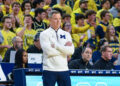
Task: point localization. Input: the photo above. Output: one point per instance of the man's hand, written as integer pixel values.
(68, 43)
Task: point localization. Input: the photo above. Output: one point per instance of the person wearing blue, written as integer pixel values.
(56, 45)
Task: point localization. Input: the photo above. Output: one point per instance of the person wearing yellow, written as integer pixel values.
(66, 9)
(84, 27)
(36, 4)
(6, 7)
(105, 6)
(48, 9)
(91, 5)
(7, 35)
(16, 12)
(102, 27)
(116, 21)
(81, 10)
(27, 33)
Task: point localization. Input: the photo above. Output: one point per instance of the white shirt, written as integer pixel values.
(55, 59)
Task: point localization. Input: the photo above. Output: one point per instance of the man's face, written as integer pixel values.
(92, 17)
(19, 43)
(106, 5)
(8, 23)
(117, 5)
(27, 6)
(108, 54)
(28, 20)
(43, 15)
(84, 5)
(16, 8)
(87, 54)
(55, 20)
(107, 17)
(81, 21)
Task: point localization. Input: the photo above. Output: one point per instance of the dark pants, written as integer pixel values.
(51, 77)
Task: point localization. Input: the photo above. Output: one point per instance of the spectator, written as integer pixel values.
(65, 8)
(82, 63)
(91, 4)
(38, 23)
(26, 7)
(17, 44)
(66, 18)
(21, 59)
(36, 47)
(26, 32)
(115, 8)
(105, 6)
(83, 7)
(102, 27)
(7, 35)
(104, 63)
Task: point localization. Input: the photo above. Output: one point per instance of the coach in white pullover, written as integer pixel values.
(56, 45)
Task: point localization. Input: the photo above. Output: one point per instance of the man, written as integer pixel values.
(81, 10)
(115, 8)
(38, 24)
(65, 8)
(82, 63)
(104, 63)
(57, 45)
(7, 35)
(26, 32)
(102, 27)
(17, 44)
(35, 48)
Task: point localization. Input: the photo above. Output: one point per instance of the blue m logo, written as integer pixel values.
(63, 36)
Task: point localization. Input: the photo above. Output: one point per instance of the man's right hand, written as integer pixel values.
(68, 43)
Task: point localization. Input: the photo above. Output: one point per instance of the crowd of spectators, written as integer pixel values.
(91, 23)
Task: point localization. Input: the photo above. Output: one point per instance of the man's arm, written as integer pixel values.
(47, 46)
(68, 48)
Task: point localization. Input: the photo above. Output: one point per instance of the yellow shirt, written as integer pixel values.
(116, 22)
(27, 37)
(73, 15)
(8, 36)
(66, 9)
(91, 5)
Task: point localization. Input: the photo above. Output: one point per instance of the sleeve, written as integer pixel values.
(83, 29)
(68, 50)
(100, 32)
(76, 5)
(46, 45)
(73, 65)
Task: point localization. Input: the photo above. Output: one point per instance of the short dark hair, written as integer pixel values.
(39, 11)
(5, 17)
(65, 15)
(23, 5)
(104, 1)
(17, 3)
(79, 16)
(28, 15)
(104, 48)
(35, 2)
(103, 13)
(89, 13)
(116, 1)
(84, 48)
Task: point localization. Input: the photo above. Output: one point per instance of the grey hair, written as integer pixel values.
(53, 12)
(14, 39)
